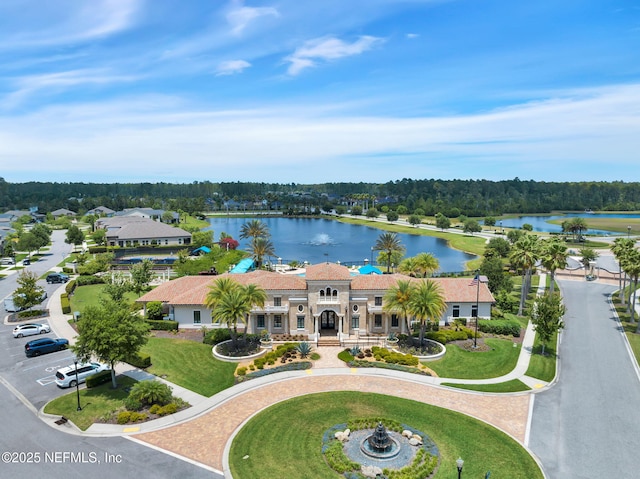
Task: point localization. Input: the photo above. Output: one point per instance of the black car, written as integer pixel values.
(57, 278)
(44, 346)
(26, 262)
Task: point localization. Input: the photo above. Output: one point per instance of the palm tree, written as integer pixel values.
(396, 299)
(427, 264)
(254, 229)
(631, 266)
(261, 247)
(389, 243)
(588, 256)
(524, 255)
(231, 302)
(554, 256)
(621, 248)
(426, 303)
(409, 266)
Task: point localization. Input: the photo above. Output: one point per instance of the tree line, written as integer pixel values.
(452, 198)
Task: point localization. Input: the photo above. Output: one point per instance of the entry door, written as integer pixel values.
(328, 320)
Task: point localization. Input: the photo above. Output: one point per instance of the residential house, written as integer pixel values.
(62, 212)
(138, 231)
(101, 211)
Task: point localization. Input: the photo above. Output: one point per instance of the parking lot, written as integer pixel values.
(33, 377)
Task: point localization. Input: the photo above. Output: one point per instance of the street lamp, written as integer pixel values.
(628, 231)
(459, 464)
(372, 256)
(75, 363)
(477, 280)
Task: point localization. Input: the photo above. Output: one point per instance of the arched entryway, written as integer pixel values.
(328, 320)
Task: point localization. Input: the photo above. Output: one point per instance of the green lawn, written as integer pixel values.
(285, 439)
(189, 364)
(629, 327)
(84, 296)
(543, 367)
(461, 364)
(97, 403)
(512, 386)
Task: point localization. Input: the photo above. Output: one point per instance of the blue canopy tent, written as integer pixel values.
(368, 269)
(200, 250)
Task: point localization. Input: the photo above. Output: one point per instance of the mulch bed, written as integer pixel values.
(189, 334)
(467, 344)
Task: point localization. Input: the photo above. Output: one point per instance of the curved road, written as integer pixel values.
(587, 425)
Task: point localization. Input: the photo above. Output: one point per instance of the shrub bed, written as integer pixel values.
(448, 335)
(508, 327)
(298, 366)
(64, 302)
(215, 336)
(97, 379)
(140, 360)
(163, 325)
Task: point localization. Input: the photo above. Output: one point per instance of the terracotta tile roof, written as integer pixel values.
(192, 290)
(455, 289)
(327, 271)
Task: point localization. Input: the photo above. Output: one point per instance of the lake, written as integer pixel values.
(317, 240)
(540, 223)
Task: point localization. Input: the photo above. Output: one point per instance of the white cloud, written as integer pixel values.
(327, 48)
(548, 139)
(231, 67)
(63, 24)
(412, 35)
(240, 16)
(30, 85)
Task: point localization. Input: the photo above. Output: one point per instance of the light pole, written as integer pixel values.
(628, 231)
(477, 279)
(459, 464)
(372, 254)
(75, 363)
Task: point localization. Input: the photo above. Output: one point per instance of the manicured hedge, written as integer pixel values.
(85, 280)
(140, 361)
(99, 378)
(507, 327)
(163, 325)
(64, 302)
(70, 286)
(215, 336)
(444, 336)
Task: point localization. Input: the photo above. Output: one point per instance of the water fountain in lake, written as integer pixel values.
(321, 239)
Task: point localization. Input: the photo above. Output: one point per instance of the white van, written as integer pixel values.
(7, 261)
(66, 377)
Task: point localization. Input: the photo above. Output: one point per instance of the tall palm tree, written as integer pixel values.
(231, 302)
(389, 243)
(427, 303)
(524, 254)
(254, 229)
(261, 247)
(554, 256)
(427, 263)
(631, 266)
(396, 300)
(621, 248)
(588, 256)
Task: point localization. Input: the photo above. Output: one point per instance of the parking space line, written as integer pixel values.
(46, 380)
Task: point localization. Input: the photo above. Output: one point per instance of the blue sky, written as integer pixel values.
(319, 91)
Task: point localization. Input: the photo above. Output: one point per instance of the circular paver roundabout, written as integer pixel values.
(204, 438)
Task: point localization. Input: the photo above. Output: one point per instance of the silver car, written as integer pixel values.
(30, 329)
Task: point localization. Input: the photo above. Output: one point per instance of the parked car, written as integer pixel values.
(37, 347)
(6, 261)
(30, 329)
(66, 377)
(11, 307)
(57, 278)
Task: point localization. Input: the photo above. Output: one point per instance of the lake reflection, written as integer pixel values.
(318, 240)
(540, 223)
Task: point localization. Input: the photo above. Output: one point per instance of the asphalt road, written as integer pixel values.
(587, 425)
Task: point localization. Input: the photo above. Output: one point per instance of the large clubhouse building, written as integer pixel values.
(327, 300)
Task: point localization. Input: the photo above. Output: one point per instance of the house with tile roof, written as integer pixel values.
(328, 300)
(128, 231)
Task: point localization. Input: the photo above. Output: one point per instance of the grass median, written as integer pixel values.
(285, 439)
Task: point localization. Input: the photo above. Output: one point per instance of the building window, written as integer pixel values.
(355, 308)
(166, 241)
(260, 321)
(456, 311)
(277, 301)
(355, 321)
(394, 321)
(377, 321)
(300, 322)
(277, 321)
(474, 311)
(300, 308)
(196, 317)
(378, 301)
